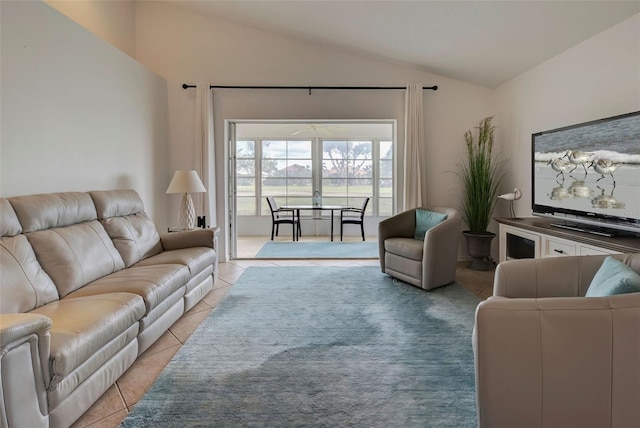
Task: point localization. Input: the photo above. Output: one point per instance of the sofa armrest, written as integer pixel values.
(440, 250)
(190, 238)
(24, 360)
(558, 361)
(15, 327)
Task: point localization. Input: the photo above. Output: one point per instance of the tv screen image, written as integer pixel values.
(590, 172)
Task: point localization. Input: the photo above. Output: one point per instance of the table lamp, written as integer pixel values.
(186, 182)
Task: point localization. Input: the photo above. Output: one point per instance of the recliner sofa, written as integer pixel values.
(546, 356)
(86, 285)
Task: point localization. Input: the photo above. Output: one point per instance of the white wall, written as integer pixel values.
(113, 21)
(188, 48)
(77, 114)
(596, 79)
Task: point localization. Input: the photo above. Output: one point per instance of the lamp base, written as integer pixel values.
(187, 213)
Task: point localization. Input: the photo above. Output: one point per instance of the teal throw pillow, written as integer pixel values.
(425, 220)
(613, 277)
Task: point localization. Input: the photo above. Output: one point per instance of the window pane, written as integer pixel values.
(384, 206)
(299, 150)
(331, 187)
(274, 186)
(386, 169)
(274, 168)
(386, 188)
(300, 187)
(328, 189)
(359, 150)
(245, 177)
(335, 168)
(246, 187)
(272, 149)
(299, 200)
(245, 168)
(386, 150)
(358, 169)
(335, 200)
(299, 168)
(360, 188)
(246, 205)
(245, 149)
(264, 207)
(334, 149)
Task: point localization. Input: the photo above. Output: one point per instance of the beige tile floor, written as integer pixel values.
(116, 403)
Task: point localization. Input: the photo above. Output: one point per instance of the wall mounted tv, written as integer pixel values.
(587, 176)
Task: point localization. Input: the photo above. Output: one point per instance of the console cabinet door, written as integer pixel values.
(518, 244)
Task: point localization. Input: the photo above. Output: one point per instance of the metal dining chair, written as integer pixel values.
(278, 217)
(353, 216)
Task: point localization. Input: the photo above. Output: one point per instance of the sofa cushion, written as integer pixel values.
(84, 325)
(134, 236)
(425, 220)
(121, 212)
(196, 259)
(24, 285)
(405, 247)
(153, 283)
(613, 277)
(116, 203)
(40, 212)
(75, 255)
(9, 224)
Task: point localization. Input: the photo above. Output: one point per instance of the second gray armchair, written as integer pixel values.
(426, 264)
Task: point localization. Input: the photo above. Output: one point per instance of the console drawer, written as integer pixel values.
(554, 248)
(586, 250)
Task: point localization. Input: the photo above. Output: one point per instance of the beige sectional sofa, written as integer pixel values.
(86, 285)
(546, 356)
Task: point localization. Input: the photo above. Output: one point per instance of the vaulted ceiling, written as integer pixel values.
(482, 42)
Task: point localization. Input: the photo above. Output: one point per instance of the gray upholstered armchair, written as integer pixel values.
(427, 264)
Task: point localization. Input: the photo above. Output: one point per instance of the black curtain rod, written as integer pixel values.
(309, 88)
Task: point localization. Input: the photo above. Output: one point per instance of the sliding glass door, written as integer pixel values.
(344, 162)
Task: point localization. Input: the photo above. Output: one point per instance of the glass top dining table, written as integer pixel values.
(310, 207)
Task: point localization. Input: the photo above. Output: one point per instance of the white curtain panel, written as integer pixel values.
(413, 148)
(205, 154)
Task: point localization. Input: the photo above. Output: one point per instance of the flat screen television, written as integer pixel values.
(587, 176)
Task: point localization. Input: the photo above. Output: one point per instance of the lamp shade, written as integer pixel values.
(186, 182)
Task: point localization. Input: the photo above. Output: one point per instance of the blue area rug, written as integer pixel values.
(318, 250)
(322, 347)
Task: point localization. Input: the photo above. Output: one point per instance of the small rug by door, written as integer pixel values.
(318, 250)
(322, 347)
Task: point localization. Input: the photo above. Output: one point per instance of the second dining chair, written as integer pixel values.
(353, 216)
(280, 216)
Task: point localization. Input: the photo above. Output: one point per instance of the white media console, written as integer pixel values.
(535, 237)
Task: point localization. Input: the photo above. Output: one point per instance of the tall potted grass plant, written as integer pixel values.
(482, 175)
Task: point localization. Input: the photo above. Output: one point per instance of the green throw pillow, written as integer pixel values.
(613, 277)
(425, 220)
